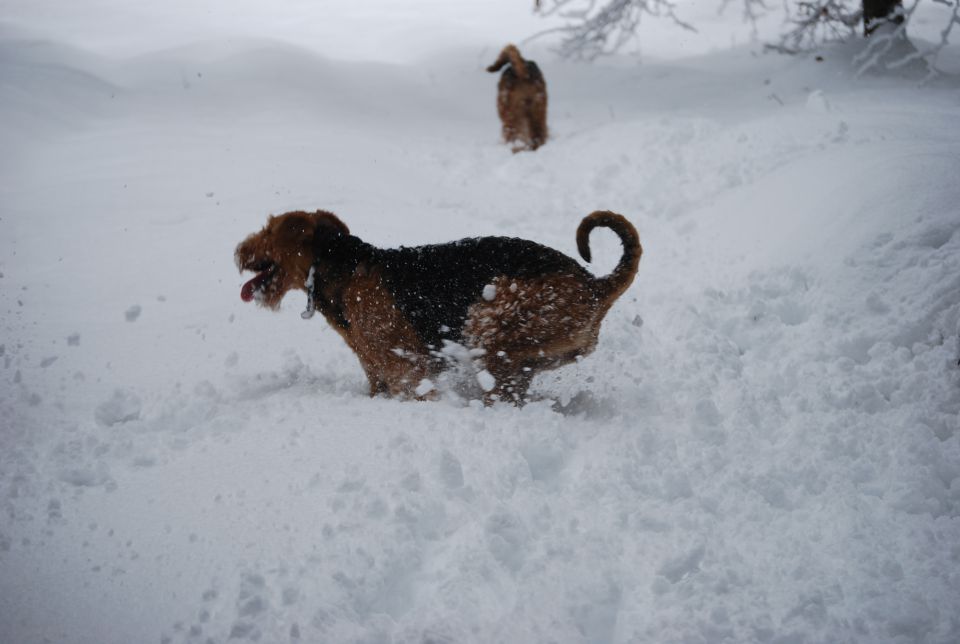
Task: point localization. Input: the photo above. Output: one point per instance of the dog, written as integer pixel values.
(521, 100)
(513, 306)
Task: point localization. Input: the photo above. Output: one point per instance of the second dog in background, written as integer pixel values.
(521, 100)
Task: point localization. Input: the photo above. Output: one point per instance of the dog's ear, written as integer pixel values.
(292, 230)
(329, 225)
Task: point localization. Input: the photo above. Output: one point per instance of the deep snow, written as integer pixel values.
(765, 446)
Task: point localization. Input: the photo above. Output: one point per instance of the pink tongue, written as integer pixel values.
(246, 293)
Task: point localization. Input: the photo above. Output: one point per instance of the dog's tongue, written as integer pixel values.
(246, 293)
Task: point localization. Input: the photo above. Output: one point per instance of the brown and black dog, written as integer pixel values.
(515, 307)
(521, 100)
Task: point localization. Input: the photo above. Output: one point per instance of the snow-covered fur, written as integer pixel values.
(515, 306)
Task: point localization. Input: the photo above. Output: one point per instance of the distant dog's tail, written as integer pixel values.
(511, 54)
(614, 284)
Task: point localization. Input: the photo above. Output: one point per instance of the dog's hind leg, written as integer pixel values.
(535, 115)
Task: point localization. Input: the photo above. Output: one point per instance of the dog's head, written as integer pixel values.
(282, 253)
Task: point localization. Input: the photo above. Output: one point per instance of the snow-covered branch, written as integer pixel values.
(594, 28)
(816, 22)
(892, 50)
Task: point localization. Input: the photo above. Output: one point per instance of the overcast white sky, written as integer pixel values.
(380, 30)
(366, 29)
(384, 30)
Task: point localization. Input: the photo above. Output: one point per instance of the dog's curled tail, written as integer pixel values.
(511, 54)
(614, 284)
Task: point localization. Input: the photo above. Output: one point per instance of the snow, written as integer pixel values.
(426, 386)
(765, 446)
(486, 380)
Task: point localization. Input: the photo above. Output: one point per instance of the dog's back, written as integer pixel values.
(511, 78)
(435, 285)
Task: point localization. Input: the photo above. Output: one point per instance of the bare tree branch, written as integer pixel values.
(596, 29)
(817, 22)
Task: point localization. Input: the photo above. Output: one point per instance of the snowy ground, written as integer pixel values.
(765, 446)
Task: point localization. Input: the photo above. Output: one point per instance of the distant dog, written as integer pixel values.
(521, 100)
(515, 307)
